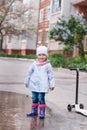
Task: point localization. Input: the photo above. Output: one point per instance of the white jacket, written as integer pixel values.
(40, 77)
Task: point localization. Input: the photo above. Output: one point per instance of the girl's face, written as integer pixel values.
(42, 57)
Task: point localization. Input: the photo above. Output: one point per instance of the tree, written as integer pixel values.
(70, 31)
(15, 18)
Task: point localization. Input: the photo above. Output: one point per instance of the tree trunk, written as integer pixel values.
(81, 51)
(75, 51)
(1, 41)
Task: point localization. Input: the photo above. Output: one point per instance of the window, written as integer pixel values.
(25, 16)
(41, 0)
(47, 38)
(41, 15)
(56, 5)
(39, 36)
(48, 12)
(9, 39)
(25, 1)
(23, 36)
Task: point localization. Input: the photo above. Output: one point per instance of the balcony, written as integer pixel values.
(81, 6)
(80, 2)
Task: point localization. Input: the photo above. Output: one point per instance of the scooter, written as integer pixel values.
(79, 108)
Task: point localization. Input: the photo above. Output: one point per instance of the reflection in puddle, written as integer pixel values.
(13, 108)
(36, 123)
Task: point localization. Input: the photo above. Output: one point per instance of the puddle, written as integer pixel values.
(13, 109)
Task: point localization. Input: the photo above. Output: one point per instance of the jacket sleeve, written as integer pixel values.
(30, 71)
(51, 79)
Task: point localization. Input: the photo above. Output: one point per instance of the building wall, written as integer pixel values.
(67, 8)
(42, 26)
(53, 45)
(43, 22)
(28, 46)
(20, 44)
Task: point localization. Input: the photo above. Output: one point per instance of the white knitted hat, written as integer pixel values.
(42, 50)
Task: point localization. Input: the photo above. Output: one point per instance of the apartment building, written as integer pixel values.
(43, 22)
(49, 12)
(26, 42)
(81, 6)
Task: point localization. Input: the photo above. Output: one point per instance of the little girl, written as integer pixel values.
(40, 80)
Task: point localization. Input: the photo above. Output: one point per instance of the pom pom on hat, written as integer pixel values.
(42, 50)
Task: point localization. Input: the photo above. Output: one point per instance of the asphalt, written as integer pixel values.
(65, 90)
(15, 99)
(65, 85)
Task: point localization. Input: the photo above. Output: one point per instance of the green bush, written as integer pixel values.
(80, 65)
(31, 56)
(77, 63)
(57, 60)
(68, 50)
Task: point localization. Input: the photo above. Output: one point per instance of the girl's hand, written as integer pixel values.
(26, 85)
(51, 89)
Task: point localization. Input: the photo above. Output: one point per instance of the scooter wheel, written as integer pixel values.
(81, 106)
(69, 107)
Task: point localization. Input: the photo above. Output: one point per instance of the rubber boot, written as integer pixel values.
(42, 111)
(34, 111)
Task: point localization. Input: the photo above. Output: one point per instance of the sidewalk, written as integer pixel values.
(12, 79)
(15, 105)
(65, 89)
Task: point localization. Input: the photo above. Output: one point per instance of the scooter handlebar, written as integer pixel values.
(77, 69)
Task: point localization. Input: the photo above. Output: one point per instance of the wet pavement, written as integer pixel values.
(15, 100)
(13, 108)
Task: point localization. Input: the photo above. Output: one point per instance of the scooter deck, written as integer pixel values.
(81, 111)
